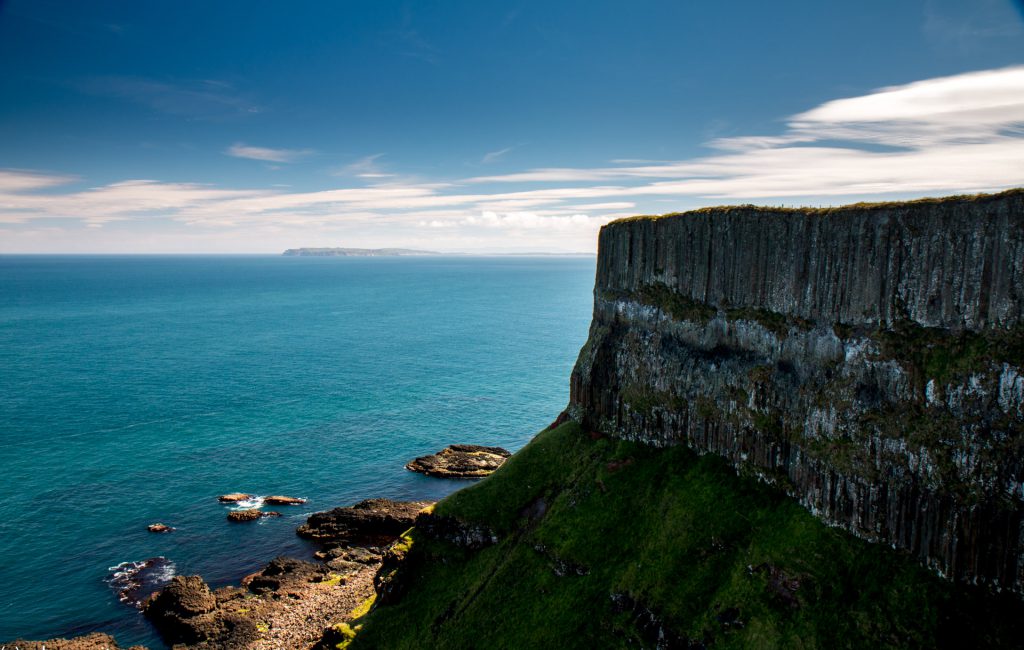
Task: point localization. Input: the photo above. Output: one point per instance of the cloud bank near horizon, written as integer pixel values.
(962, 133)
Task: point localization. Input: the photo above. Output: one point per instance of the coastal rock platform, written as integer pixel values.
(373, 522)
(94, 641)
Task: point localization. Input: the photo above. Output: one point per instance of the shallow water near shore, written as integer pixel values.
(137, 389)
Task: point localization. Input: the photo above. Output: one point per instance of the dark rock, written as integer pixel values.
(358, 554)
(374, 522)
(460, 461)
(453, 531)
(183, 611)
(186, 611)
(159, 528)
(780, 585)
(868, 360)
(134, 582)
(562, 418)
(650, 627)
(235, 497)
(283, 501)
(560, 567)
(283, 573)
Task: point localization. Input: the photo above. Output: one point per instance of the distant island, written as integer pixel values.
(408, 252)
(355, 252)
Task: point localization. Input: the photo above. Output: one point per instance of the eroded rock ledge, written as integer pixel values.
(373, 522)
(866, 359)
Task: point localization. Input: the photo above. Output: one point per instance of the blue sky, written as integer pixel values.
(481, 126)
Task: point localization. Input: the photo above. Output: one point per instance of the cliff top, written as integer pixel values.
(832, 210)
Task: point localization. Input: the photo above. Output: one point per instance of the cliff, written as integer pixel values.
(764, 394)
(866, 359)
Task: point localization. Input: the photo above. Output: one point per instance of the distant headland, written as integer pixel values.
(355, 252)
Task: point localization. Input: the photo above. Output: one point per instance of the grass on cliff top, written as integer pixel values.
(879, 205)
(716, 559)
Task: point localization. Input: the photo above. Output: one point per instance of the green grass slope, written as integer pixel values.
(606, 544)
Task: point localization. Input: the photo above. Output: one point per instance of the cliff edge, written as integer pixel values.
(866, 359)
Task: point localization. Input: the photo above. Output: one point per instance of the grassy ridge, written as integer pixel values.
(605, 543)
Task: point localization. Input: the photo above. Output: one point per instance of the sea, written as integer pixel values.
(136, 389)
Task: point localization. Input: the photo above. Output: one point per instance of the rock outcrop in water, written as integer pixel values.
(867, 359)
(460, 461)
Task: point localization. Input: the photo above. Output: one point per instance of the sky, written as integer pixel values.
(246, 126)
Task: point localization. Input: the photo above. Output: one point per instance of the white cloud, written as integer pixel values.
(962, 133)
(266, 154)
(959, 133)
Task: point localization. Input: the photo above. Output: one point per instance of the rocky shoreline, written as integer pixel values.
(289, 603)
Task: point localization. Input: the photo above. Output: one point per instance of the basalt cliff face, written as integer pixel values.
(867, 359)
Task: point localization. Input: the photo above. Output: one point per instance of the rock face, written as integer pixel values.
(866, 359)
(374, 522)
(460, 461)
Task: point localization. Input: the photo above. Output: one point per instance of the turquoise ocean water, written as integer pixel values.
(137, 389)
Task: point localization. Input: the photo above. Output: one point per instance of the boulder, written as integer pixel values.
(460, 461)
(374, 522)
(283, 501)
(183, 611)
(159, 528)
(250, 515)
(235, 497)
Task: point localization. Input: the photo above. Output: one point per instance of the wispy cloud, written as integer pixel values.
(962, 133)
(494, 156)
(240, 150)
(366, 167)
(200, 99)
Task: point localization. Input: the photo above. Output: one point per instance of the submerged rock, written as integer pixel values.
(133, 582)
(460, 461)
(374, 522)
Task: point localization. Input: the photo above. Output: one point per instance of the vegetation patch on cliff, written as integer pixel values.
(937, 353)
(604, 543)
